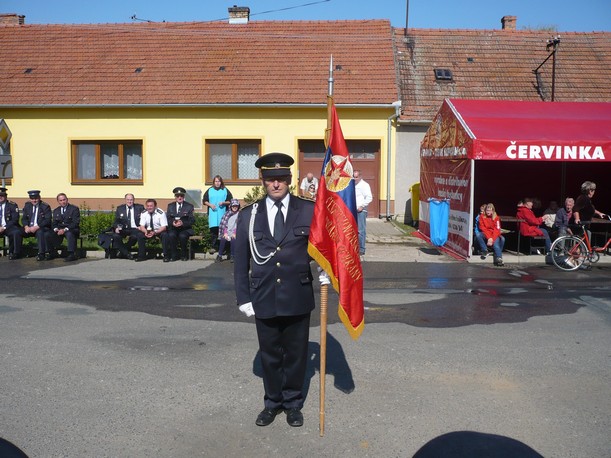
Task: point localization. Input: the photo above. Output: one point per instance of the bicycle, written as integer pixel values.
(570, 252)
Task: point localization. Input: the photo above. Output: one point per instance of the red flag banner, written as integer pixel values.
(334, 241)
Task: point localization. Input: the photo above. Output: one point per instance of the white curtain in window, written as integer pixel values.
(110, 161)
(85, 162)
(248, 153)
(220, 160)
(133, 161)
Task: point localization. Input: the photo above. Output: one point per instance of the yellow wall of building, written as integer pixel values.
(173, 143)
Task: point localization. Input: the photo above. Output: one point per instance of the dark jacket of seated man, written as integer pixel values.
(36, 221)
(65, 223)
(127, 220)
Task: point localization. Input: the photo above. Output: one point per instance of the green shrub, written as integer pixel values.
(200, 227)
(95, 222)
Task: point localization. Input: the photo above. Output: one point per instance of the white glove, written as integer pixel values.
(247, 309)
(323, 277)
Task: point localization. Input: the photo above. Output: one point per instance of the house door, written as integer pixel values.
(364, 155)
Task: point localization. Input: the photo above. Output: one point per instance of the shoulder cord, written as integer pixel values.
(256, 256)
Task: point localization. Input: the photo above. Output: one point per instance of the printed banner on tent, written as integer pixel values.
(443, 179)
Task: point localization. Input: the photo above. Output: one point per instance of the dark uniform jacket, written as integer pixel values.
(44, 214)
(185, 215)
(283, 285)
(71, 219)
(121, 215)
(11, 215)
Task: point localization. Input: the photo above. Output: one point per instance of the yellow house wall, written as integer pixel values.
(173, 144)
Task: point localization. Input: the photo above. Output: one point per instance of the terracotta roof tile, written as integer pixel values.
(499, 64)
(285, 62)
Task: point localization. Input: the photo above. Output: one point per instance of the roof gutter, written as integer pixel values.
(414, 122)
(208, 105)
(397, 106)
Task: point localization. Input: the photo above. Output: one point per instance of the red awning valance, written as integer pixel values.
(521, 131)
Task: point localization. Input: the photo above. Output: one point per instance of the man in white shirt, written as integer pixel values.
(154, 223)
(306, 184)
(363, 199)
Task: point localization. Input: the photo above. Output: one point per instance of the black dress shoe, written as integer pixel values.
(70, 258)
(52, 255)
(184, 258)
(294, 417)
(267, 416)
(140, 259)
(130, 256)
(166, 259)
(12, 257)
(40, 257)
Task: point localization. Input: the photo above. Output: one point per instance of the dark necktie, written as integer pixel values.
(278, 222)
(129, 216)
(152, 226)
(63, 208)
(178, 208)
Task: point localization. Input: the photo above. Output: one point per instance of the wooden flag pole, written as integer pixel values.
(324, 289)
(324, 295)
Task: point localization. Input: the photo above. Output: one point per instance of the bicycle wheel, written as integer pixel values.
(569, 252)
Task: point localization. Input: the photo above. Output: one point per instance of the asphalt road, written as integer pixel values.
(163, 364)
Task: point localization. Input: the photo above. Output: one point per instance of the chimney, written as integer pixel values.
(239, 14)
(509, 22)
(12, 19)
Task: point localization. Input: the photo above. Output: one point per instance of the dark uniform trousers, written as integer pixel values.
(283, 342)
(282, 296)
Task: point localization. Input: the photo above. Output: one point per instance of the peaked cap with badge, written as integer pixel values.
(275, 165)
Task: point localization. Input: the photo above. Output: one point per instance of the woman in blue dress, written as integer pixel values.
(216, 198)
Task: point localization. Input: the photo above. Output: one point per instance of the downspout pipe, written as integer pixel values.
(397, 106)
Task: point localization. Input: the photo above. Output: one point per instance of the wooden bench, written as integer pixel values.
(4, 247)
(535, 243)
(194, 238)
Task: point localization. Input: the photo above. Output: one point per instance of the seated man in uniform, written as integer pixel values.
(9, 221)
(180, 224)
(127, 220)
(154, 223)
(36, 222)
(66, 224)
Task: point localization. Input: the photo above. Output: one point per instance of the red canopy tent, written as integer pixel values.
(479, 151)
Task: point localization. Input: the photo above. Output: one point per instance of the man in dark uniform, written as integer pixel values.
(273, 281)
(36, 222)
(180, 224)
(66, 223)
(127, 220)
(9, 221)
